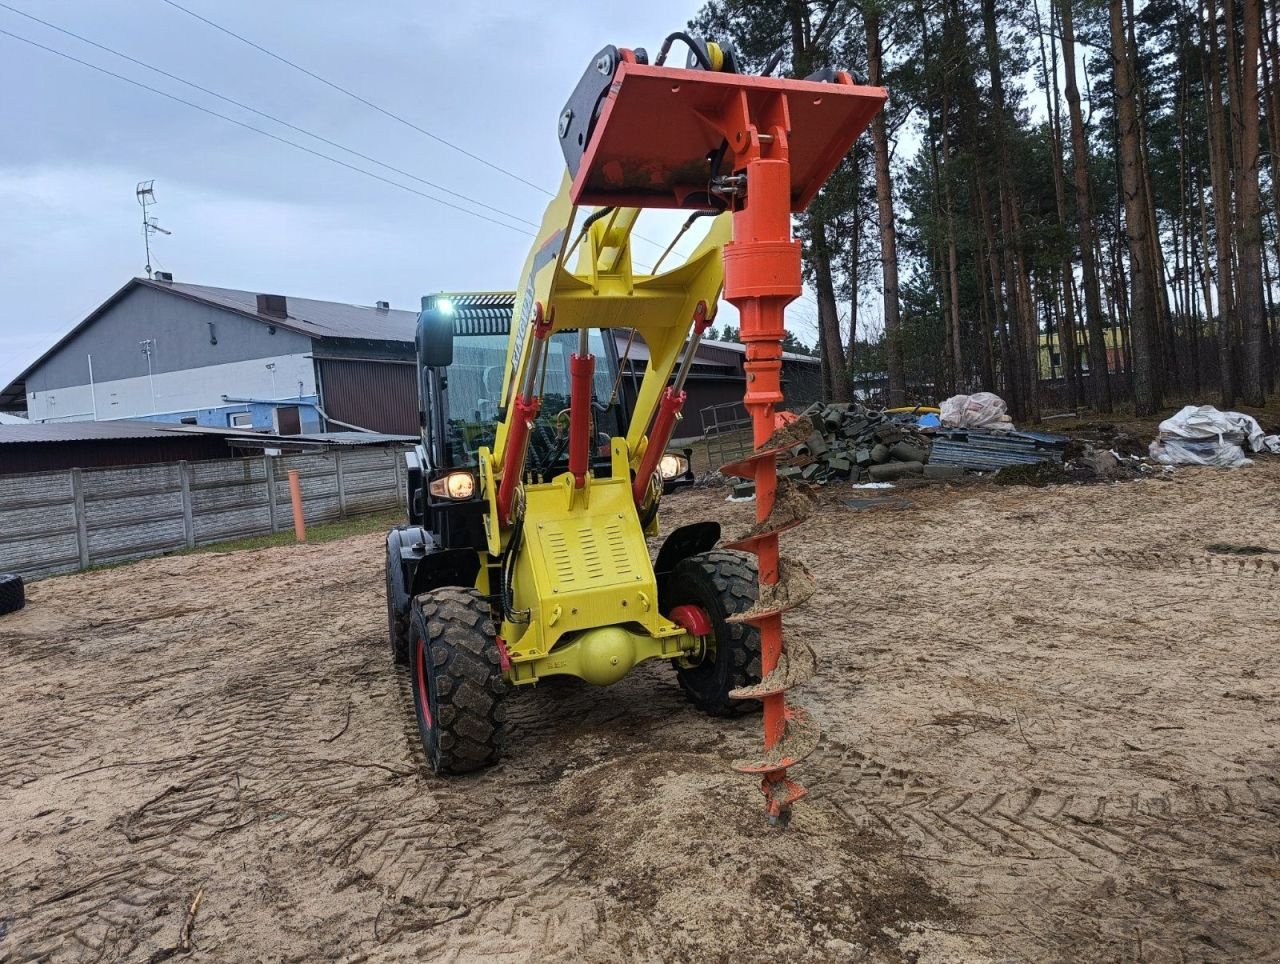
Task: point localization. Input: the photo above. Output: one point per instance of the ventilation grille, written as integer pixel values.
(584, 555)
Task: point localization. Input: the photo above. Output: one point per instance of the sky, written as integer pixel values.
(249, 212)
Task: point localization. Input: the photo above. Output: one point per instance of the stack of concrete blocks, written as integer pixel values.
(851, 442)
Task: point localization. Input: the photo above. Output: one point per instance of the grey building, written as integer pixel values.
(165, 351)
(171, 352)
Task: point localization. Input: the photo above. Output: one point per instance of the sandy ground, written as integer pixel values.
(1051, 723)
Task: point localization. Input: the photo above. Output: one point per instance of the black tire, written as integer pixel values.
(398, 601)
(722, 583)
(13, 595)
(458, 687)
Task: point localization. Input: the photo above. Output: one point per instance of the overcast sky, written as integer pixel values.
(249, 212)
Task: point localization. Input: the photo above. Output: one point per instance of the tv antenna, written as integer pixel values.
(146, 194)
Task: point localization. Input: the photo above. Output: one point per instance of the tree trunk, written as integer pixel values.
(1067, 326)
(835, 378)
(1009, 386)
(1220, 175)
(1270, 80)
(1099, 377)
(888, 231)
(1146, 399)
(855, 277)
(1021, 328)
(1249, 236)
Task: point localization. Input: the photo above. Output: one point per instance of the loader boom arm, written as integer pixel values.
(602, 290)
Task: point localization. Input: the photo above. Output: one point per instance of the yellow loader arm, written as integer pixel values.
(603, 291)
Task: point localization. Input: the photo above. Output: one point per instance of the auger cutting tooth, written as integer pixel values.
(797, 664)
(781, 794)
(799, 740)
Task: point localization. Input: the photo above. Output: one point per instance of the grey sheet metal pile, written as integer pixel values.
(990, 451)
(851, 442)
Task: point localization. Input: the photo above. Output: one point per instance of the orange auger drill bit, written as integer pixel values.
(654, 136)
(762, 275)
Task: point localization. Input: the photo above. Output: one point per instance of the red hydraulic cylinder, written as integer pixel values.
(525, 408)
(513, 462)
(581, 372)
(664, 423)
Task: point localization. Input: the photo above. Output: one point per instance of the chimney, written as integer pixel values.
(273, 305)
(384, 306)
(166, 276)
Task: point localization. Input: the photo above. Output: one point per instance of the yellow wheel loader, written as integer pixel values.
(540, 469)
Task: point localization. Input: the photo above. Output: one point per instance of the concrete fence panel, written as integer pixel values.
(53, 522)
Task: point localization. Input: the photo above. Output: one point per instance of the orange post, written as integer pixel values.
(295, 496)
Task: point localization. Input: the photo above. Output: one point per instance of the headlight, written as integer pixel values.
(672, 466)
(455, 485)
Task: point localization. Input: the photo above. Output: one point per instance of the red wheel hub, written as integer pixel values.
(693, 618)
(420, 667)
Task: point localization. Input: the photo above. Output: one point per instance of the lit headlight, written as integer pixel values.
(455, 485)
(672, 466)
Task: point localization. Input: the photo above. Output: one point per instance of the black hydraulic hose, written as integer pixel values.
(508, 564)
(586, 225)
(689, 41)
(594, 217)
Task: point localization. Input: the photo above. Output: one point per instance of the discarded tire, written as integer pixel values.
(13, 595)
(722, 583)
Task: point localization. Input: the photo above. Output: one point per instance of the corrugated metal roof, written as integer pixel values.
(40, 432)
(80, 431)
(319, 319)
(987, 451)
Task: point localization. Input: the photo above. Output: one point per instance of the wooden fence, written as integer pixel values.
(52, 522)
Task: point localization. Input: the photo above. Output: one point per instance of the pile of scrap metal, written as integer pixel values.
(985, 451)
(850, 442)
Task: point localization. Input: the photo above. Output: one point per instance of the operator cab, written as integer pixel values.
(462, 344)
(474, 397)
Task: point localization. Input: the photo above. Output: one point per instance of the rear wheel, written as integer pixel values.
(397, 600)
(721, 583)
(458, 687)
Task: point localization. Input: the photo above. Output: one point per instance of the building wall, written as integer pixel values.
(179, 392)
(178, 327)
(189, 371)
(378, 395)
(262, 415)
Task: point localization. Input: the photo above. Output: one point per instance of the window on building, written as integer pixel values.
(189, 420)
(240, 420)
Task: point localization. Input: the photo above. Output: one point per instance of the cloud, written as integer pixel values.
(249, 212)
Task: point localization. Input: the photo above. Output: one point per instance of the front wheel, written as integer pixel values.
(722, 583)
(458, 687)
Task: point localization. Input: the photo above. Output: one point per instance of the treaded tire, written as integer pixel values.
(458, 687)
(723, 583)
(398, 601)
(13, 594)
